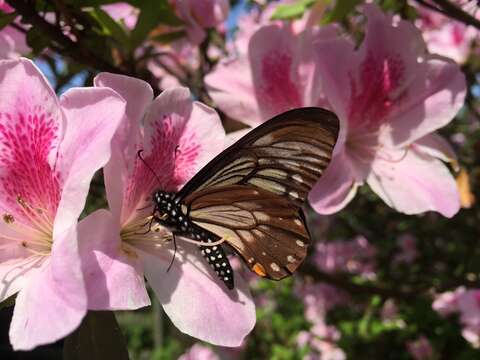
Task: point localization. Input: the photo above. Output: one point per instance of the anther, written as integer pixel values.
(8, 218)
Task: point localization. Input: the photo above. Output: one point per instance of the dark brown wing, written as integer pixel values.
(285, 155)
(267, 230)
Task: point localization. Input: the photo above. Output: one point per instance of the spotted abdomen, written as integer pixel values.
(217, 259)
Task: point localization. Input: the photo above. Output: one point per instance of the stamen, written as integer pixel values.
(8, 219)
(202, 243)
(44, 224)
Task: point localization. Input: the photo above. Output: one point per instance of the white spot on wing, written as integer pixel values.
(275, 267)
(300, 243)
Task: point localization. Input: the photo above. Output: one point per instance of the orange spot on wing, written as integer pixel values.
(259, 270)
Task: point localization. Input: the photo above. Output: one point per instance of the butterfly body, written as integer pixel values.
(251, 195)
(170, 213)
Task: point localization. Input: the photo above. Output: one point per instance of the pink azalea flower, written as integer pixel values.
(49, 151)
(12, 42)
(445, 36)
(178, 137)
(247, 87)
(201, 15)
(391, 96)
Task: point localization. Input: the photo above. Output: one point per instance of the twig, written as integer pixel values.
(452, 11)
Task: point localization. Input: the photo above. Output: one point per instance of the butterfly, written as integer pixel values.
(250, 196)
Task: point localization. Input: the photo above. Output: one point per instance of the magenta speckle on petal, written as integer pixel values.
(173, 157)
(26, 140)
(277, 91)
(372, 99)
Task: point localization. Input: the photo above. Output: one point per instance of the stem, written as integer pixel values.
(452, 11)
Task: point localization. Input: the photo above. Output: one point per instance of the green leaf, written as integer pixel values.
(110, 27)
(99, 337)
(6, 19)
(292, 11)
(340, 11)
(152, 14)
(10, 301)
(36, 40)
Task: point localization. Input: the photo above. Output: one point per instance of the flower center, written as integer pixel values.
(143, 231)
(34, 232)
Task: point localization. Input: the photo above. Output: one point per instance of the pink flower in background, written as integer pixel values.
(276, 75)
(201, 15)
(408, 249)
(199, 352)
(122, 12)
(12, 41)
(49, 151)
(390, 96)
(356, 256)
(465, 302)
(420, 349)
(179, 136)
(445, 36)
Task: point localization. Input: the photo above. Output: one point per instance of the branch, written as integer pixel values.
(65, 45)
(453, 11)
(343, 282)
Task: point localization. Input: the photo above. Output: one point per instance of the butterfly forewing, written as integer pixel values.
(285, 156)
(267, 230)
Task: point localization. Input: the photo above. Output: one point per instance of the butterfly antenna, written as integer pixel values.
(174, 252)
(139, 154)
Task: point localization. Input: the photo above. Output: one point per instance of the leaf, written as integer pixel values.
(6, 19)
(291, 11)
(110, 27)
(340, 11)
(10, 301)
(99, 337)
(152, 14)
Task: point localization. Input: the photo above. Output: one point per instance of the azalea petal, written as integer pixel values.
(336, 188)
(180, 137)
(433, 102)
(195, 299)
(413, 183)
(53, 301)
(437, 146)
(421, 92)
(138, 95)
(94, 115)
(113, 277)
(15, 268)
(231, 87)
(31, 126)
(272, 51)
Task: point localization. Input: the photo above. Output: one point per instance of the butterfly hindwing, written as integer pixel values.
(267, 230)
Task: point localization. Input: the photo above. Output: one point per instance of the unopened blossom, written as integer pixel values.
(390, 96)
(12, 41)
(122, 246)
(49, 150)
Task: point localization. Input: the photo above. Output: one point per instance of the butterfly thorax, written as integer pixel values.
(170, 213)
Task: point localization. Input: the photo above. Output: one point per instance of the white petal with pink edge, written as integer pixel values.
(414, 183)
(196, 301)
(336, 188)
(113, 275)
(138, 95)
